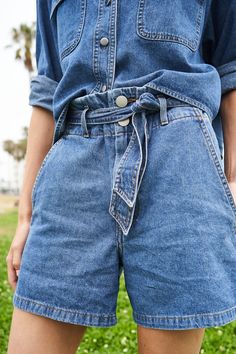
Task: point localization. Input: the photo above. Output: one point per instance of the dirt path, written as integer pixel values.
(7, 202)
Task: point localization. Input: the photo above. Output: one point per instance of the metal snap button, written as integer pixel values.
(121, 101)
(104, 41)
(124, 122)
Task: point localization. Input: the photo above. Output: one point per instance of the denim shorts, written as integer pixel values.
(134, 183)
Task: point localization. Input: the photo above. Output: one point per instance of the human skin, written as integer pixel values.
(36, 334)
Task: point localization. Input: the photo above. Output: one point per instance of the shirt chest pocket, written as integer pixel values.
(177, 21)
(69, 18)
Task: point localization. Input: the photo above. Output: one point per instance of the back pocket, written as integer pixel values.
(69, 16)
(178, 21)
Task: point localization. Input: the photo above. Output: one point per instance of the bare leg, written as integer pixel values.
(157, 341)
(34, 334)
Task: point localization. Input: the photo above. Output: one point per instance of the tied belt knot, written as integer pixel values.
(131, 167)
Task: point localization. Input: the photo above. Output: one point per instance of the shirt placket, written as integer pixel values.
(105, 44)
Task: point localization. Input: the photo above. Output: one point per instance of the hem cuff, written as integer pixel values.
(186, 322)
(42, 90)
(227, 74)
(64, 315)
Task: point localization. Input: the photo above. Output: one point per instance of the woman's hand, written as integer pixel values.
(13, 258)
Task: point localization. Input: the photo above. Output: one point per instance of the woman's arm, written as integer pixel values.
(39, 141)
(228, 114)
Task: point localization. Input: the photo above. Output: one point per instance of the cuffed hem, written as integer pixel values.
(186, 322)
(42, 90)
(227, 74)
(64, 315)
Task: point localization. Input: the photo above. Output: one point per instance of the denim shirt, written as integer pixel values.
(185, 49)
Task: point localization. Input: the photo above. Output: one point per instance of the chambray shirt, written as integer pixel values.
(183, 48)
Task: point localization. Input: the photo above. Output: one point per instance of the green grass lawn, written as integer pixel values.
(114, 340)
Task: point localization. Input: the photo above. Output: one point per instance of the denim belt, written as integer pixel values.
(132, 165)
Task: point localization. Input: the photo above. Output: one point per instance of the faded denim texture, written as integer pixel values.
(186, 49)
(149, 198)
(134, 179)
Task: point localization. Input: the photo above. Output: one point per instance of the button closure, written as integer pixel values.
(124, 122)
(104, 41)
(104, 87)
(121, 101)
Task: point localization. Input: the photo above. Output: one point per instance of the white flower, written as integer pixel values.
(222, 349)
(123, 340)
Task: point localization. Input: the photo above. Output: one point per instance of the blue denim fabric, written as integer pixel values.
(186, 49)
(147, 196)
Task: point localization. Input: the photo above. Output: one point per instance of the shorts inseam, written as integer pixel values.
(203, 320)
(64, 315)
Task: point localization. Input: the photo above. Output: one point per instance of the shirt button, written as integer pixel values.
(104, 41)
(121, 101)
(123, 122)
(104, 87)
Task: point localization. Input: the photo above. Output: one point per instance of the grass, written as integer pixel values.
(114, 340)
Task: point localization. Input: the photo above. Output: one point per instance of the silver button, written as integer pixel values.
(121, 101)
(104, 41)
(124, 122)
(104, 87)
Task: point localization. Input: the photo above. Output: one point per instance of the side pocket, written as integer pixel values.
(214, 150)
(41, 169)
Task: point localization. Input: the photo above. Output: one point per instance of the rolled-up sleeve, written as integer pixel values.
(45, 82)
(219, 41)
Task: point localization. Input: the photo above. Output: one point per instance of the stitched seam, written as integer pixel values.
(63, 309)
(95, 135)
(78, 35)
(33, 194)
(154, 126)
(190, 43)
(189, 316)
(214, 158)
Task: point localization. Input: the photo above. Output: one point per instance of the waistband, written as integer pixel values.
(102, 107)
(118, 104)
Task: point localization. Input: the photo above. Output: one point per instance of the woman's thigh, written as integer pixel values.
(36, 334)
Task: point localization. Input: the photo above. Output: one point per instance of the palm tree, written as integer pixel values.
(17, 150)
(23, 39)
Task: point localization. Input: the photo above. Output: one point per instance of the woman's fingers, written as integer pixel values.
(12, 277)
(14, 256)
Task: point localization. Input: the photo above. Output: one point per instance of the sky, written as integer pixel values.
(14, 82)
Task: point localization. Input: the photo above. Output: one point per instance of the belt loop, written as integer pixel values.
(163, 110)
(83, 122)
